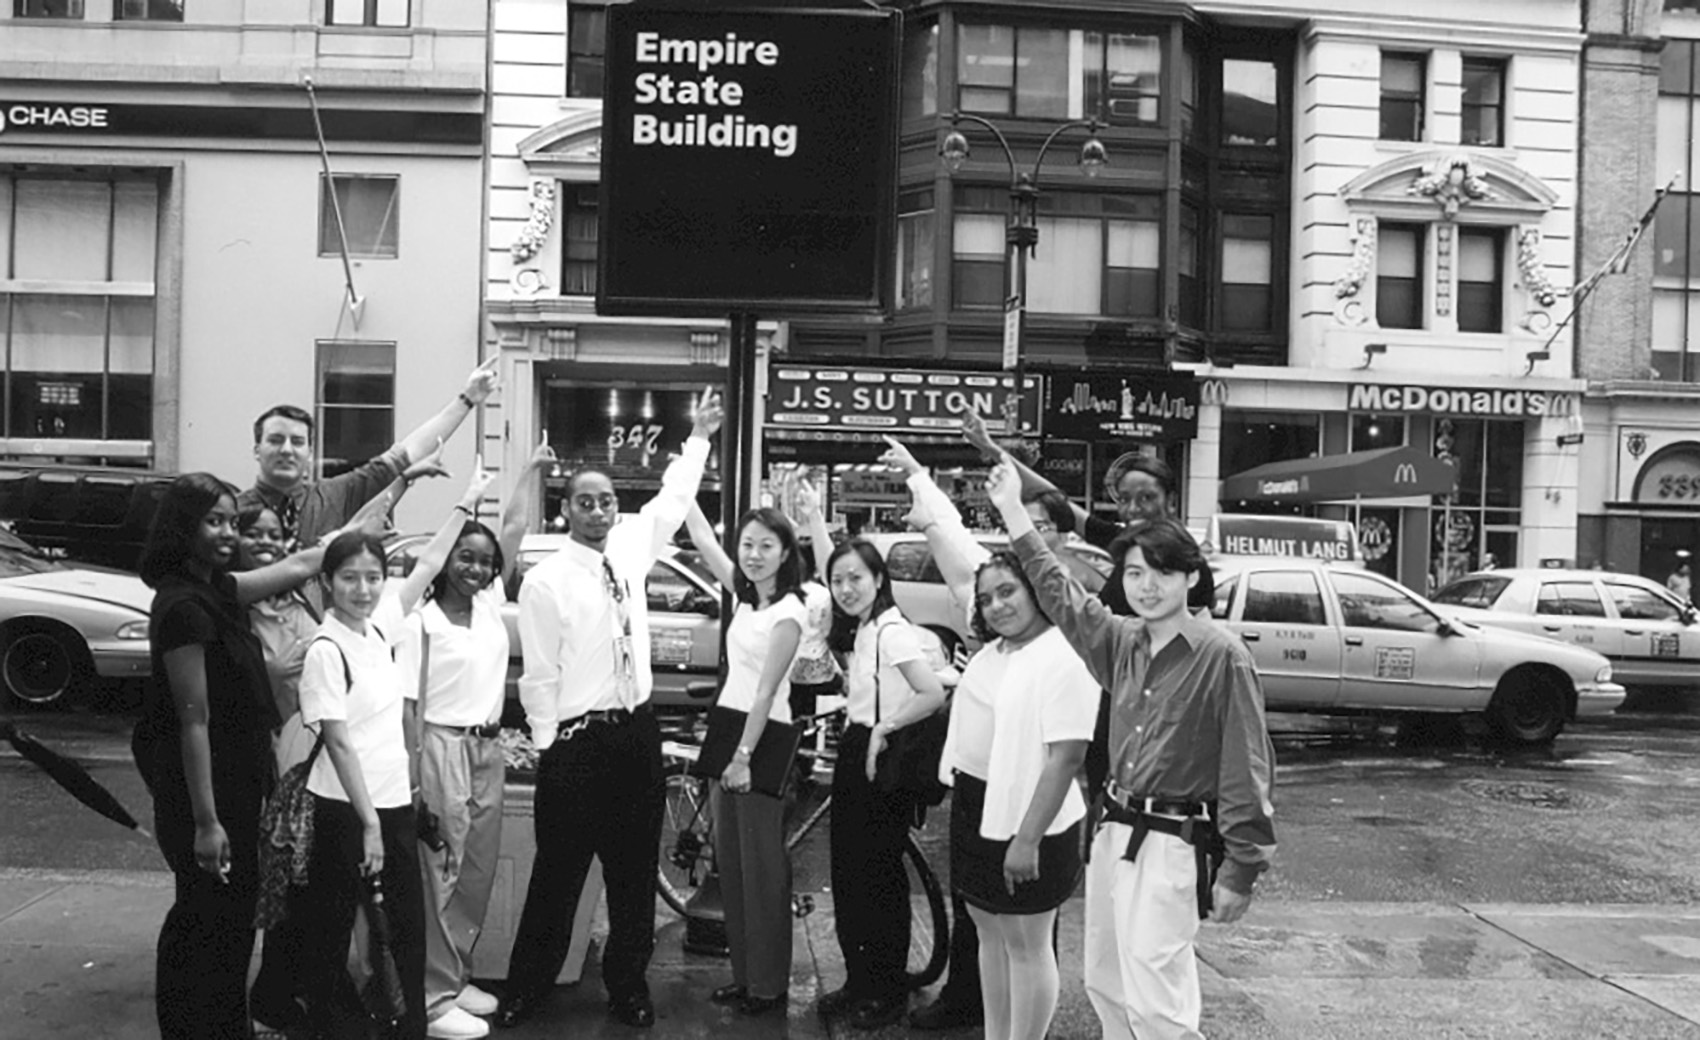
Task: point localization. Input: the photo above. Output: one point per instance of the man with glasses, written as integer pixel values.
(584, 632)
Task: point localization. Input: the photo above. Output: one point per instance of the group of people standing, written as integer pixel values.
(1084, 689)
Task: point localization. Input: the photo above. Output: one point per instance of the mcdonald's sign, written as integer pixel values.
(1405, 473)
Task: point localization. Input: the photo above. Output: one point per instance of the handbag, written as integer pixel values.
(910, 762)
(382, 995)
(771, 760)
(286, 829)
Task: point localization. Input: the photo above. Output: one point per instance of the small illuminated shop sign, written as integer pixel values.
(1297, 537)
(893, 401)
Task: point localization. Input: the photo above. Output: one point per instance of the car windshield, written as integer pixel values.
(18, 557)
(1481, 593)
(691, 560)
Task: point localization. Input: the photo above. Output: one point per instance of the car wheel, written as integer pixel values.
(41, 663)
(1528, 707)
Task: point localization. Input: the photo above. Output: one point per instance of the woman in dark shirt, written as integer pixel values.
(204, 748)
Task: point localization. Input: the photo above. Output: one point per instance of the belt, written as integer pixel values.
(1125, 800)
(579, 723)
(1196, 830)
(486, 732)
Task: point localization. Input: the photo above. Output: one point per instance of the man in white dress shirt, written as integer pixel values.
(584, 631)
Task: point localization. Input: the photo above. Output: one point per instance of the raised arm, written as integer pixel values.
(519, 505)
(436, 551)
(666, 511)
(295, 569)
(1097, 635)
(425, 437)
(955, 551)
(814, 517)
(975, 432)
(708, 544)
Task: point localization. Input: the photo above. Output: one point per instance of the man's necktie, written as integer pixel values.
(625, 670)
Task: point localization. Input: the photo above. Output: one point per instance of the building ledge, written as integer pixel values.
(1644, 389)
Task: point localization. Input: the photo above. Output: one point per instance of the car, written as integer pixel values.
(62, 622)
(920, 589)
(684, 615)
(1329, 639)
(1651, 637)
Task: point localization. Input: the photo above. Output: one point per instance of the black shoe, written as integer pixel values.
(946, 1014)
(728, 995)
(838, 1002)
(635, 1011)
(518, 1006)
(753, 1005)
(877, 1013)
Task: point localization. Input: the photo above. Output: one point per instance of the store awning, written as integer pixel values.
(1383, 473)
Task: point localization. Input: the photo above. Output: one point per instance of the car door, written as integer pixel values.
(1284, 622)
(1571, 611)
(684, 629)
(1658, 647)
(1394, 654)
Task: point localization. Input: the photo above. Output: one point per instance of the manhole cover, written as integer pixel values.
(1531, 793)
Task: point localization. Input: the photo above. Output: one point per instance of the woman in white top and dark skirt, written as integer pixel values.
(890, 685)
(1020, 723)
(749, 831)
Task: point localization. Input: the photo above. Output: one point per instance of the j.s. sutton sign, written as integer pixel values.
(896, 401)
(1089, 408)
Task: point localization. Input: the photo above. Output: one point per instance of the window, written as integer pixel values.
(1098, 253)
(977, 260)
(1248, 248)
(1189, 92)
(1403, 77)
(1007, 70)
(909, 561)
(1370, 430)
(1480, 593)
(1398, 276)
(921, 71)
(367, 205)
(1368, 603)
(669, 592)
(1189, 258)
(149, 10)
(578, 238)
(1250, 103)
(1124, 77)
(1481, 277)
(1133, 260)
(1569, 599)
(1283, 598)
(385, 14)
(1676, 228)
(1484, 103)
(914, 250)
(1224, 601)
(47, 8)
(587, 27)
(79, 344)
(1638, 604)
(356, 383)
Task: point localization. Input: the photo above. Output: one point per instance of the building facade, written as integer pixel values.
(173, 260)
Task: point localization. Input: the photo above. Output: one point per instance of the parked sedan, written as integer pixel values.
(1345, 641)
(1650, 636)
(61, 622)
(684, 615)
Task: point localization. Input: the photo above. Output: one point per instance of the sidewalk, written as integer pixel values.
(76, 951)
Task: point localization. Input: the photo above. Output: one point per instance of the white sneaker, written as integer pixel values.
(475, 1001)
(455, 1024)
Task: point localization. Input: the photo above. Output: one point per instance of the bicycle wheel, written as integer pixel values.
(687, 841)
(929, 928)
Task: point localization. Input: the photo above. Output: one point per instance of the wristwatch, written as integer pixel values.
(743, 752)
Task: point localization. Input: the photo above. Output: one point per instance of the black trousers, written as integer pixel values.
(870, 887)
(201, 962)
(325, 911)
(599, 795)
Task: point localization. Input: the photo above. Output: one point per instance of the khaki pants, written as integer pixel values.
(1141, 919)
(461, 779)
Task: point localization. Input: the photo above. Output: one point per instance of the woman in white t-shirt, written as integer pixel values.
(749, 834)
(363, 781)
(1020, 724)
(890, 684)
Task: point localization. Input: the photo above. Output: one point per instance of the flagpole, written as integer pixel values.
(354, 301)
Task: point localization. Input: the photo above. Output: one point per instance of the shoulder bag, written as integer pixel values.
(910, 762)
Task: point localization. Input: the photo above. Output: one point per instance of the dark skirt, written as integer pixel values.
(976, 863)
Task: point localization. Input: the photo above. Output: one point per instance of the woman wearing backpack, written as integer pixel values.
(889, 685)
(366, 780)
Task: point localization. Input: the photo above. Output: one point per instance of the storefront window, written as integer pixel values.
(1476, 528)
(1371, 431)
(629, 432)
(1251, 439)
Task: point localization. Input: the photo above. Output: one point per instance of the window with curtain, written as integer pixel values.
(369, 205)
(587, 26)
(1398, 276)
(1248, 260)
(920, 70)
(356, 403)
(578, 239)
(149, 10)
(977, 260)
(1098, 254)
(1189, 256)
(380, 14)
(915, 222)
(79, 345)
(1481, 280)
(1484, 102)
(1035, 72)
(1403, 81)
(1124, 77)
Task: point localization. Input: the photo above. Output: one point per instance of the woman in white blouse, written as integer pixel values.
(1020, 723)
(749, 834)
(458, 649)
(364, 781)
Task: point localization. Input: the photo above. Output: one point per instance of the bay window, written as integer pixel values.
(1042, 73)
(914, 250)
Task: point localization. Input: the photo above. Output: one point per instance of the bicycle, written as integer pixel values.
(687, 842)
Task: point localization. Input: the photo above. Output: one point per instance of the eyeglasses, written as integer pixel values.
(1044, 526)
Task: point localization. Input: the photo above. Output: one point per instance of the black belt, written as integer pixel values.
(486, 732)
(1197, 830)
(579, 723)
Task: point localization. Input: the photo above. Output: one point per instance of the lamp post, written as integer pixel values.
(1021, 234)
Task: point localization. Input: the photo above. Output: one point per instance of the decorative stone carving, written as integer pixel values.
(1443, 269)
(1363, 259)
(1534, 272)
(1451, 183)
(536, 230)
(563, 342)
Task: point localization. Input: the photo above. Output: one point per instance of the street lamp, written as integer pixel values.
(1022, 232)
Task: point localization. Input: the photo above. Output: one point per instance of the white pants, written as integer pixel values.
(1141, 918)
